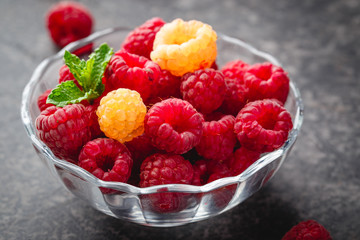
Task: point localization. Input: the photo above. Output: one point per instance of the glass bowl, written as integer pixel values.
(136, 204)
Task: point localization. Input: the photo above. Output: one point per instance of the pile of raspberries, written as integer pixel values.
(199, 127)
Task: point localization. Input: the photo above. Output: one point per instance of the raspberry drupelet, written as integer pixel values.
(68, 21)
(64, 130)
(140, 40)
(263, 125)
(126, 70)
(218, 139)
(204, 89)
(174, 125)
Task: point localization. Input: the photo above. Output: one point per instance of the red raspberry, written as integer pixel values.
(41, 102)
(218, 139)
(87, 49)
(68, 21)
(161, 169)
(265, 80)
(307, 230)
(263, 125)
(140, 147)
(65, 74)
(107, 159)
(221, 196)
(217, 170)
(235, 97)
(131, 71)
(241, 160)
(167, 85)
(174, 125)
(204, 169)
(140, 40)
(236, 91)
(204, 89)
(200, 173)
(235, 70)
(64, 130)
(93, 121)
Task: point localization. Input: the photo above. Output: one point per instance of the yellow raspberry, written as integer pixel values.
(121, 114)
(182, 47)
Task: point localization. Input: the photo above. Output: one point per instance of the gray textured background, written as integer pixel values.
(319, 44)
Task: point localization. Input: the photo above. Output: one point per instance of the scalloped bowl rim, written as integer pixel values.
(74, 169)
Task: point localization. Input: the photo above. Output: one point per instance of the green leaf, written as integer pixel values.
(95, 67)
(66, 93)
(101, 57)
(75, 64)
(87, 73)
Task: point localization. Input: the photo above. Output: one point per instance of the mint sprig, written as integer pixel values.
(88, 74)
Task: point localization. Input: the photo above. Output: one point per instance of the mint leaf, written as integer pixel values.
(95, 67)
(101, 57)
(75, 64)
(66, 93)
(87, 73)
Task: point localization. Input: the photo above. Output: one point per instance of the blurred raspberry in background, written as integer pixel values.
(68, 21)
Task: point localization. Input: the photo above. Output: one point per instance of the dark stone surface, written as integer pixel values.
(318, 42)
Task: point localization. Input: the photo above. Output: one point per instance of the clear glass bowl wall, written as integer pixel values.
(133, 203)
